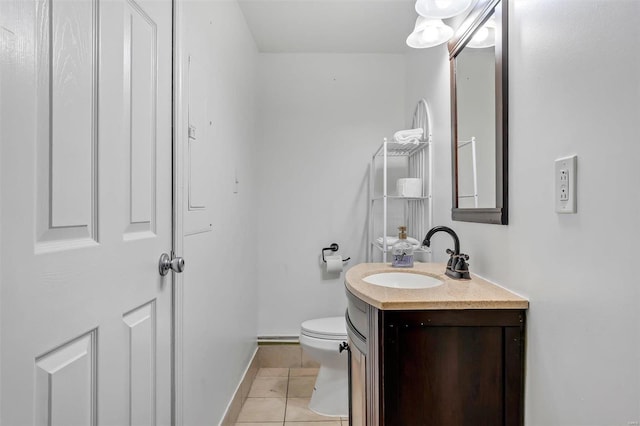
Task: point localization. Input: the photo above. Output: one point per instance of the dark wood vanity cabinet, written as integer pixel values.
(452, 367)
(438, 367)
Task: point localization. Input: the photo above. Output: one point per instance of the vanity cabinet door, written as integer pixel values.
(452, 368)
(358, 389)
(358, 383)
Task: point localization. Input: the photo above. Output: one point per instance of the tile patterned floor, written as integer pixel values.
(279, 396)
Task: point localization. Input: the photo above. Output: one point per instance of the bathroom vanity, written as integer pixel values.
(452, 354)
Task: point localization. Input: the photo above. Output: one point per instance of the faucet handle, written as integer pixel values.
(450, 263)
(462, 267)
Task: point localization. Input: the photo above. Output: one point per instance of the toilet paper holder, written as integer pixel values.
(333, 247)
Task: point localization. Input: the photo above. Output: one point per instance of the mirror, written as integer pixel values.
(478, 60)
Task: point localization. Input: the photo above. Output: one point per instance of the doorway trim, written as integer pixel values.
(177, 81)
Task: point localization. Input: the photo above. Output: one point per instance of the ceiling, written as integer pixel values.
(330, 26)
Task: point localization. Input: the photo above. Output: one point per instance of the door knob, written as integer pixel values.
(176, 264)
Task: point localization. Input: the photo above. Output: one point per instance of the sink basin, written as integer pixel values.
(402, 280)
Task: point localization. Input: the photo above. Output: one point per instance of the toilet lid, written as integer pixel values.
(325, 328)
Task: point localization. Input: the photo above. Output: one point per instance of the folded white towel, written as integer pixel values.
(414, 141)
(404, 135)
(409, 136)
(392, 240)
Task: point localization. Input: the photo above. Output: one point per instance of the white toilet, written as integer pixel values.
(320, 339)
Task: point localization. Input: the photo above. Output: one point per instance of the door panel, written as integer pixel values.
(67, 67)
(72, 107)
(358, 386)
(140, 68)
(66, 384)
(142, 363)
(85, 317)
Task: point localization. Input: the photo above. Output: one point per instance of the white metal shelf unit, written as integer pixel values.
(414, 208)
(417, 211)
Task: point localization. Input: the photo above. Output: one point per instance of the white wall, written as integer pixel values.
(427, 76)
(220, 287)
(5, 47)
(320, 118)
(574, 89)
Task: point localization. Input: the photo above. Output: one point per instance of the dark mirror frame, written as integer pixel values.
(474, 20)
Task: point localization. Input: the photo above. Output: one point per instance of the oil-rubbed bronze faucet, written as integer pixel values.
(457, 267)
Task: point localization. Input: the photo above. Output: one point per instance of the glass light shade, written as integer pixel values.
(485, 36)
(429, 33)
(441, 9)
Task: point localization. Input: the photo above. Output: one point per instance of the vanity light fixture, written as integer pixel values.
(441, 9)
(485, 36)
(429, 33)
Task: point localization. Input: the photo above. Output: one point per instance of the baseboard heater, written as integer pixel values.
(278, 340)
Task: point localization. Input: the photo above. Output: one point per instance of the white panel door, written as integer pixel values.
(85, 128)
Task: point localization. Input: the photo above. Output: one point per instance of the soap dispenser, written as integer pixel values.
(402, 251)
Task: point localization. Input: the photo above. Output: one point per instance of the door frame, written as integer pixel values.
(178, 91)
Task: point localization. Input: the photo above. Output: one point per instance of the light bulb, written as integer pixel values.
(428, 33)
(481, 35)
(484, 37)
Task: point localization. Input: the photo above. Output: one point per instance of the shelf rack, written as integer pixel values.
(417, 211)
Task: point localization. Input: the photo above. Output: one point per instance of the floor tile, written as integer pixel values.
(273, 372)
(301, 387)
(303, 372)
(298, 411)
(262, 410)
(331, 423)
(268, 387)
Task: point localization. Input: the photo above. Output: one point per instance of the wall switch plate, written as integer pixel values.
(565, 182)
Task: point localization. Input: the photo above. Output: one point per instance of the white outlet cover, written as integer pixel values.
(565, 177)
